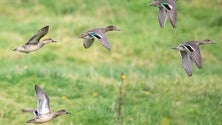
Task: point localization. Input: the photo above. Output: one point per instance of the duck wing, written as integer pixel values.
(43, 101)
(88, 42)
(172, 13)
(38, 35)
(173, 17)
(101, 37)
(195, 55)
(162, 16)
(186, 62)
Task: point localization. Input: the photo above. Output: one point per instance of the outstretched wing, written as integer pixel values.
(186, 62)
(88, 42)
(195, 55)
(101, 37)
(170, 8)
(162, 16)
(43, 101)
(38, 35)
(173, 17)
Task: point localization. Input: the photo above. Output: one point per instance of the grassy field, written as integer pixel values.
(156, 91)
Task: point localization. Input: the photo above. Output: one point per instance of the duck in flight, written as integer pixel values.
(167, 8)
(99, 34)
(43, 113)
(34, 42)
(190, 53)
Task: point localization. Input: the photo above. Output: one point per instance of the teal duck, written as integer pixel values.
(190, 53)
(34, 43)
(43, 113)
(167, 8)
(99, 34)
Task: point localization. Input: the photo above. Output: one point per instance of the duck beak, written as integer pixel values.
(68, 112)
(54, 41)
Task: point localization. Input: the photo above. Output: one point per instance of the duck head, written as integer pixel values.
(155, 3)
(112, 28)
(207, 41)
(82, 36)
(179, 48)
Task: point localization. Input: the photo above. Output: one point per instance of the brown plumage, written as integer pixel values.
(190, 53)
(33, 43)
(167, 8)
(43, 113)
(99, 34)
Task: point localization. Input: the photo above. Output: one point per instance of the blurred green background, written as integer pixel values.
(86, 81)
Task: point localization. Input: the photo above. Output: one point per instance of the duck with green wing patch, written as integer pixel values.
(98, 33)
(167, 8)
(190, 53)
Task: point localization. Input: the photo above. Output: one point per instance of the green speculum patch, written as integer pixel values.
(166, 5)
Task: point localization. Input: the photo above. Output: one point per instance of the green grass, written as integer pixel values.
(86, 82)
